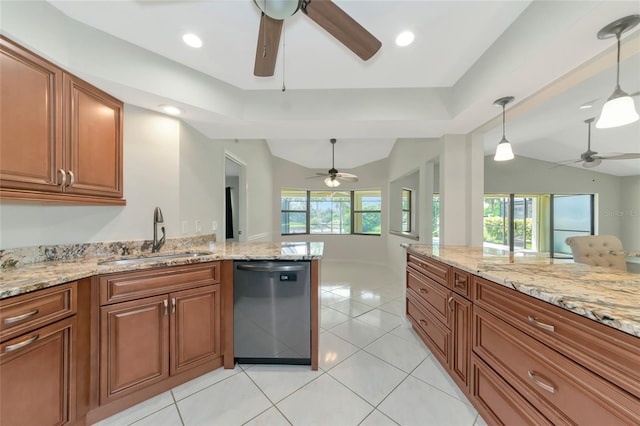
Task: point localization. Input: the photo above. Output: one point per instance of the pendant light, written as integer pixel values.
(503, 151)
(619, 108)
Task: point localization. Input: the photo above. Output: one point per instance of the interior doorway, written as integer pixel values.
(235, 205)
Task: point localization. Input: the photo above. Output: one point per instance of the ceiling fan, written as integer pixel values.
(333, 176)
(324, 13)
(591, 158)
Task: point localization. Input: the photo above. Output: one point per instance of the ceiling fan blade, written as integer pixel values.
(627, 156)
(351, 178)
(343, 27)
(267, 49)
(346, 175)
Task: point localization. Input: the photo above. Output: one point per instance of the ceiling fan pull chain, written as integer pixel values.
(284, 33)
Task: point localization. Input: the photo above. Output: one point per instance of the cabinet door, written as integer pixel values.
(31, 130)
(37, 374)
(93, 130)
(195, 327)
(460, 340)
(134, 346)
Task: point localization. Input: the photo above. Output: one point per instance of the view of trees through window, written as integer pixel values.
(330, 212)
(537, 223)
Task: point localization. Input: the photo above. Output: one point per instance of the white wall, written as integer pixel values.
(364, 248)
(629, 213)
(528, 176)
(166, 165)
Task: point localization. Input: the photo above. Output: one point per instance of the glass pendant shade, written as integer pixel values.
(331, 182)
(278, 9)
(503, 151)
(618, 111)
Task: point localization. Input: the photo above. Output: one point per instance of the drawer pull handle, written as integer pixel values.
(72, 179)
(534, 378)
(423, 323)
(449, 304)
(173, 305)
(459, 283)
(166, 306)
(423, 290)
(21, 317)
(535, 322)
(21, 344)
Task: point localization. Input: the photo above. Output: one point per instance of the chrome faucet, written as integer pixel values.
(157, 218)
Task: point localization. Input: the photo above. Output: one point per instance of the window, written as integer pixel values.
(435, 219)
(367, 206)
(536, 223)
(330, 212)
(293, 206)
(406, 210)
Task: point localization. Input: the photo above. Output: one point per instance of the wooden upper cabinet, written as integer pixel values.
(61, 138)
(93, 130)
(30, 120)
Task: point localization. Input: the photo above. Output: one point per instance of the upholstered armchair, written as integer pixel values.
(594, 250)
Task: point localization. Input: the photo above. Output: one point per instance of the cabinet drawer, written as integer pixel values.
(562, 390)
(431, 294)
(461, 283)
(435, 335)
(613, 354)
(27, 312)
(124, 286)
(499, 403)
(435, 270)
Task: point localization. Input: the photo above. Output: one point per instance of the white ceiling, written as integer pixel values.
(466, 55)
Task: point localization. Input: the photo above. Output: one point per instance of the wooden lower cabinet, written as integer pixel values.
(520, 360)
(195, 327)
(157, 328)
(134, 346)
(37, 376)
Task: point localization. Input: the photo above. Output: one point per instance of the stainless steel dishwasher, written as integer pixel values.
(272, 312)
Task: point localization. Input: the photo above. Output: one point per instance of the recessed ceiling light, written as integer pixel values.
(170, 109)
(192, 40)
(405, 38)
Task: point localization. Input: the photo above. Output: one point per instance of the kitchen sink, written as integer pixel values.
(152, 258)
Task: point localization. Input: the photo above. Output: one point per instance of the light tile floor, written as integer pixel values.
(374, 370)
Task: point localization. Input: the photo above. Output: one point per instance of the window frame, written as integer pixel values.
(352, 215)
(408, 210)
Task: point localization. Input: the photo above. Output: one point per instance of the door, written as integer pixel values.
(235, 201)
(134, 346)
(571, 215)
(93, 130)
(30, 111)
(195, 327)
(37, 377)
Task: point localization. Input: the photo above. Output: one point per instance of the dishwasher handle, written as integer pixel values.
(270, 268)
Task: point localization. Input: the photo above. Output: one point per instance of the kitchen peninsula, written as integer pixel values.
(88, 330)
(530, 340)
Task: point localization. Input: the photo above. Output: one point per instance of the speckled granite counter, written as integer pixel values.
(608, 296)
(36, 268)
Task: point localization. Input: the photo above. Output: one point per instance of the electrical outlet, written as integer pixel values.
(185, 227)
(198, 226)
(214, 225)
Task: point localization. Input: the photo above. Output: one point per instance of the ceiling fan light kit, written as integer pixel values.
(331, 182)
(504, 152)
(619, 110)
(333, 177)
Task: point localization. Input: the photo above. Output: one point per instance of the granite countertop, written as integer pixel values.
(608, 296)
(41, 267)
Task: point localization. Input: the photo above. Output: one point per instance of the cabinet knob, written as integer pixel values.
(423, 323)
(423, 290)
(460, 283)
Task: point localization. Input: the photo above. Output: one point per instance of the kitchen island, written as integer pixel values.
(91, 329)
(529, 339)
